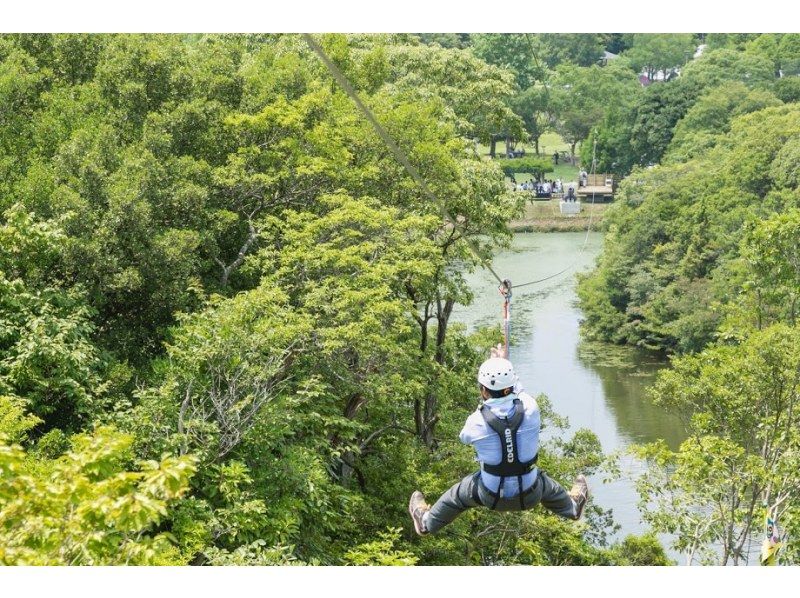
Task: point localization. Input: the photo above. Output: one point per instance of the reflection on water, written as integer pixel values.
(597, 387)
(626, 375)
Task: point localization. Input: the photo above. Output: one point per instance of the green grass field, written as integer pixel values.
(545, 216)
(548, 143)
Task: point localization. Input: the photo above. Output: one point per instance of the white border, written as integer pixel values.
(418, 582)
(183, 16)
(408, 15)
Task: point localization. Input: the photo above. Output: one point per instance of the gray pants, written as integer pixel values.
(469, 493)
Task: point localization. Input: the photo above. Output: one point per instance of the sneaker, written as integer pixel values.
(417, 507)
(580, 495)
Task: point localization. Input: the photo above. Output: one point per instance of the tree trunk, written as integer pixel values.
(227, 269)
(346, 467)
(492, 147)
(430, 415)
(572, 152)
(419, 424)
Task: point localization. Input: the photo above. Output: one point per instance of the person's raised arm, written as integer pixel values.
(498, 351)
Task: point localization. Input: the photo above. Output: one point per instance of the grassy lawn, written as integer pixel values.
(545, 215)
(548, 143)
(551, 142)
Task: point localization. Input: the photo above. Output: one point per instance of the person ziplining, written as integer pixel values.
(504, 431)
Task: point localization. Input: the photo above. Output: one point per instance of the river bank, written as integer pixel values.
(545, 216)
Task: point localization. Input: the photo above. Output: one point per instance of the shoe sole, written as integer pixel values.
(414, 519)
(579, 514)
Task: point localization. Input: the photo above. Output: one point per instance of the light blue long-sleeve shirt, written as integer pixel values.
(488, 447)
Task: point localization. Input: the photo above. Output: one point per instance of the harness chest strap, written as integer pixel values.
(510, 464)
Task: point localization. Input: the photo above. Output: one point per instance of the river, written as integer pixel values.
(596, 387)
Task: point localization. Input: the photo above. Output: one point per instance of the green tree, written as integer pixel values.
(710, 118)
(518, 52)
(672, 259)
(477, 92)
(773, 257)
(783, 49)
(85, 508)
(581, 49)
(381, 552)
(788, 89)
(48, 356)
(581, 98)
(718, 66)
(789, 52)
(535, 106)
(15, 423)
(704, 495)
(733, 41)
(139, 73)
(652, 53)
(740, 403)
(660, 108)
(447, 40)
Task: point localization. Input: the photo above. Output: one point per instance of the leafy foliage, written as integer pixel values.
(673, 263)
(225, 309)
(381, 552)
(84, 508)
(535, 166)
(740, 403)
(659, 52)
(701, 259)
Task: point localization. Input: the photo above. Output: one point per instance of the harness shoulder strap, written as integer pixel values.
(499, 425)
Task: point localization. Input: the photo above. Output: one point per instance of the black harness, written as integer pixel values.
(510, 464)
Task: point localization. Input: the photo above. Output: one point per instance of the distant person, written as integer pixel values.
(555, 158)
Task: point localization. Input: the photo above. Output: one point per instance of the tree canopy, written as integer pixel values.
(225, 308)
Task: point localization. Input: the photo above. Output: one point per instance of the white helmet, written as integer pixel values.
(496, 373)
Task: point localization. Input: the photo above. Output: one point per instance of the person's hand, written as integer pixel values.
(499, 351)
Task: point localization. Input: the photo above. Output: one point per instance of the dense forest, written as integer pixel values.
(702, 261)
(225, 308)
